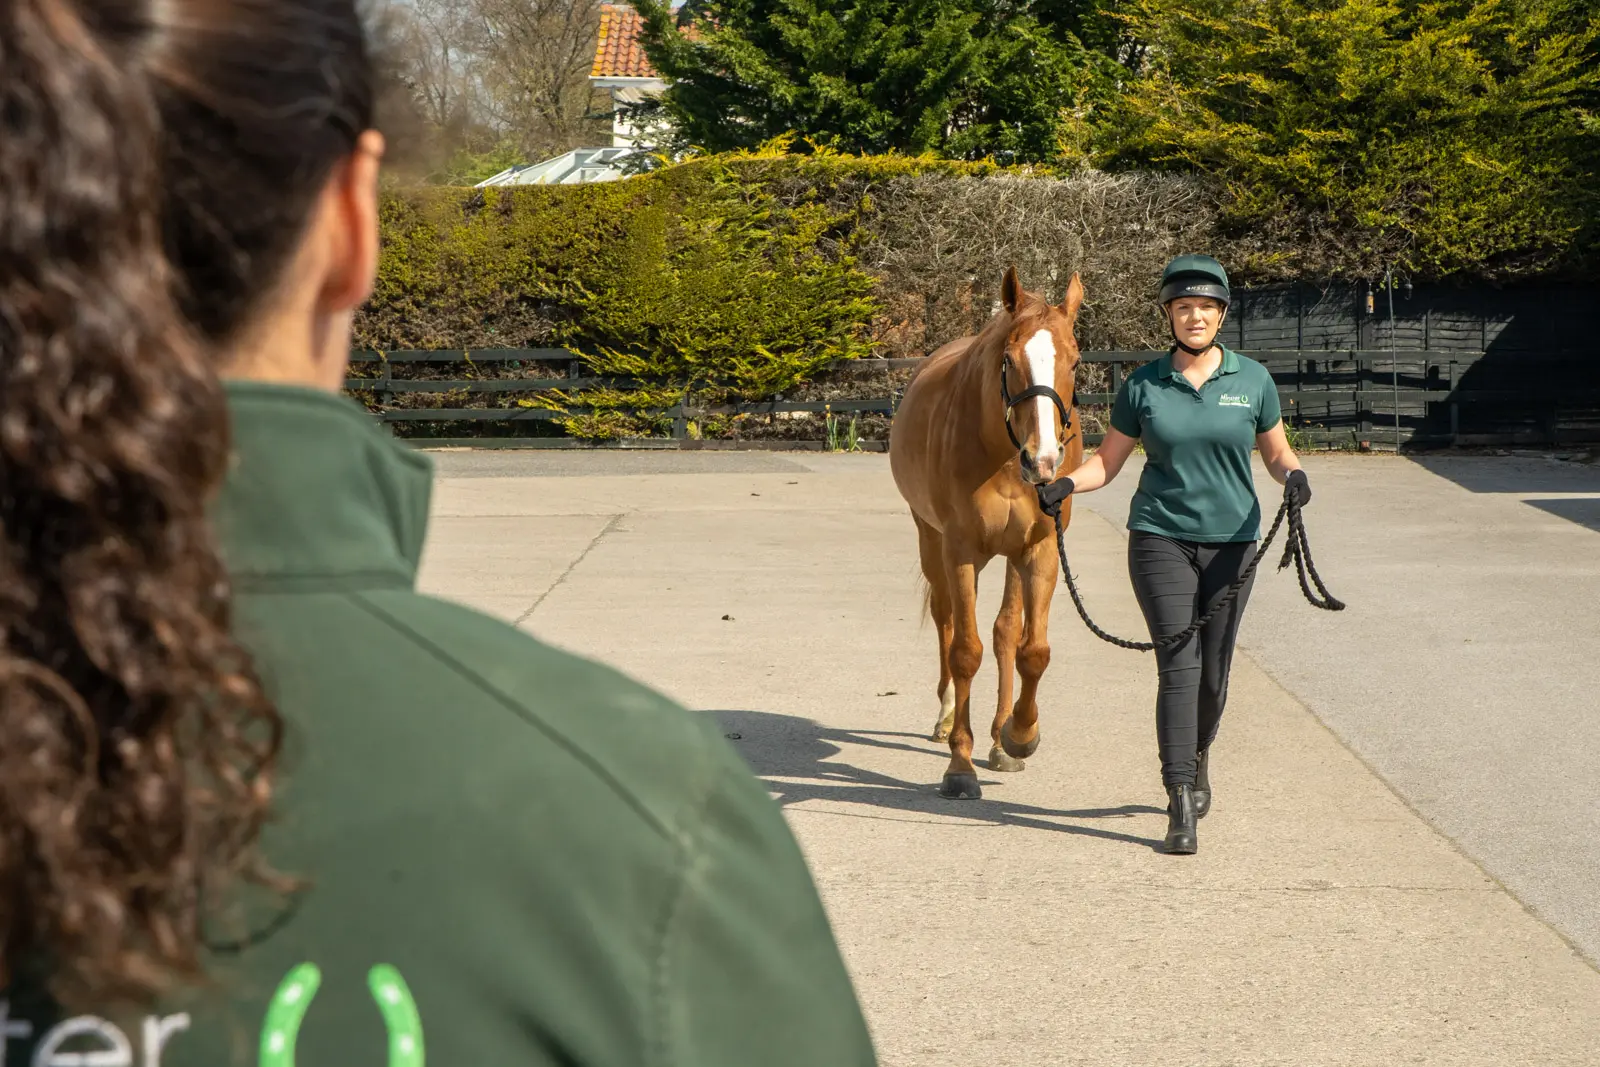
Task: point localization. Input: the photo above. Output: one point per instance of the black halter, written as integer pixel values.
(1028, 394)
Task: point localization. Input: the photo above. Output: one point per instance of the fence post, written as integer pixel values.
(680, 422)
(386, 395)
(1455, 409)
(1299, 322)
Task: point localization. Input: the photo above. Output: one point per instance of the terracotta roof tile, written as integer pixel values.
(618, 53)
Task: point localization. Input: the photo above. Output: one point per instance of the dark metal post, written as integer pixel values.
(1394, 355)
(1299, 317)
(1455, 409)
(1363, 345)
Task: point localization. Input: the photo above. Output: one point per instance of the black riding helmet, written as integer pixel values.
(1192, 275)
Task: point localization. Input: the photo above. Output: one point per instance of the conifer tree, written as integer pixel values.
(1441, 136)
(965, 79)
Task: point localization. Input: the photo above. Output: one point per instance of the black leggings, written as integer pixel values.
(1177, 582)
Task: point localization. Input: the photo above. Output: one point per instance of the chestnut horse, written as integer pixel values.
(967, 448)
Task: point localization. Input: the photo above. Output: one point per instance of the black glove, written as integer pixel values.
(1297, 485)
(1052, 494)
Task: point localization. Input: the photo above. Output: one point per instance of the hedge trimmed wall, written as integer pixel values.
(740, 276)
(693, 266)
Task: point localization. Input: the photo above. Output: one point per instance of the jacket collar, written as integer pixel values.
(317, 490)
(1230, 364)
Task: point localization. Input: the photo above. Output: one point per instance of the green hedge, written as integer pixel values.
(683, 272)
(731, 277)
(692, 277)
(1443, 138)
(739, 276)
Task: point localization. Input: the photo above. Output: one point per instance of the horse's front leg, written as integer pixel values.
(966, 655)
(1007, 634)
(1020, 735)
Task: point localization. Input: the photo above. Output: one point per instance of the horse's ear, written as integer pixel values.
(1011, 290)
(1074, 297)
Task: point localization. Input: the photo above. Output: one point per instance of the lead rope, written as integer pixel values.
(1297, 549)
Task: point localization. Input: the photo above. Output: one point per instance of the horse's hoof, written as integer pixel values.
(1020, 752)
(940, 733)
(999, 761)
(960, 787)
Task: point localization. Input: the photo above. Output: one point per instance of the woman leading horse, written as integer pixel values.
(1195, 519)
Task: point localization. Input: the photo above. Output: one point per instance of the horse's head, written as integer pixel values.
(1041, 363)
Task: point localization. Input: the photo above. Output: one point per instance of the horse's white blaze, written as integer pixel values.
(1041, 353)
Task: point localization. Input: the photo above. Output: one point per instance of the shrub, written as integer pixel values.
(1443, 138)
(689, 276)
(741, 275)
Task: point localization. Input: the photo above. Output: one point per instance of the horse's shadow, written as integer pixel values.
(794, 757)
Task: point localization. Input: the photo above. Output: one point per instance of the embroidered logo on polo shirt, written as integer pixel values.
(1233, 400)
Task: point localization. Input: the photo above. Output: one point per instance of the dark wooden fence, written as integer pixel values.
(1356, 366)
(1359, 392)
(1449, 364)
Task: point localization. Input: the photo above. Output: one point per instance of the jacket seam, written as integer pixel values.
(692, 849)
(520, 711)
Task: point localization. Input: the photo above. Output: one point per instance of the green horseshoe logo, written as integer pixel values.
(289, 1004)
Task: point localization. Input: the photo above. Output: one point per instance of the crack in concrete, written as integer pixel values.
(607, 528)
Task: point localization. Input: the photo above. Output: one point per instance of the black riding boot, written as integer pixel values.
(1181, 838)
(1202, 785)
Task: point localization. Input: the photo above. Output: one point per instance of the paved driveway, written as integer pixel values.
(1466, 670)
(1385, 775)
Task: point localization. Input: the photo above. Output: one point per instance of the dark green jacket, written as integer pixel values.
(552, 864)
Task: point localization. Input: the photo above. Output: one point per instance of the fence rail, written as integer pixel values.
(1427, 387)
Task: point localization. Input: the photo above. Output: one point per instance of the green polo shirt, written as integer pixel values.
(1197, 484)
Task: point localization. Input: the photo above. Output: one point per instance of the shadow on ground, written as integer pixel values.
(1581, 510)
(1493, 474)
(1484, 474)
(798, 761)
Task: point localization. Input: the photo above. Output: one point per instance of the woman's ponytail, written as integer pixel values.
(137, 741)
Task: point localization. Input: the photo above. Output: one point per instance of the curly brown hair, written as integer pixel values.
(158, 163)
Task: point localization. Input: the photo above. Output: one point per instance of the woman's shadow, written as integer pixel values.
(794, 757)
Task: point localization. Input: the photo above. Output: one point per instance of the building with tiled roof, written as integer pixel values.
(618, 54)
(621, 68)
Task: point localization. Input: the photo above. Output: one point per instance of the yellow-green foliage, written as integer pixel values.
(822, 165)
(1447, 137)
(692, 275)
(730, 276)
(607, 413)
(736, 275)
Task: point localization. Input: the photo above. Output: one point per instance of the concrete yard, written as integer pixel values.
(1402, 859)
